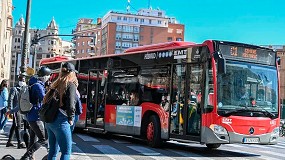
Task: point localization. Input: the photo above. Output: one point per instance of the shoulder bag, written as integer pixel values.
(49, 110)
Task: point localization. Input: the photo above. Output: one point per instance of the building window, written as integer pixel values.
(82, 51)
(19, 40)
(159, 22)
(136, 19)
(15, 39)
(170, 30)
(149, 21)
(125, 18)
(118, 36)
(159, 14)
(119, 18)
(78, 44)
(179, 31)
(178, 39)
(169, 39)
(39, 56)
(13, 62)
(142, 20)
(83, 43)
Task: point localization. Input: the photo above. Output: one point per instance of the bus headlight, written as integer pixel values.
(218, 129)
(275, 131)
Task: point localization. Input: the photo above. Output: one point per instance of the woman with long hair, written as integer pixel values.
(59, 132)
(3, 104)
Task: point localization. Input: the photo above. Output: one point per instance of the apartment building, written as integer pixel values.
(119, 31)
(6, 20)
(47, 47)
(87, 38)
(124, 30)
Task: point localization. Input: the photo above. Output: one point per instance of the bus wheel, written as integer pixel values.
(213, 146)
(153, 132)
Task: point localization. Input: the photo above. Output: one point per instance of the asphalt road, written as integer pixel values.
(106, 147)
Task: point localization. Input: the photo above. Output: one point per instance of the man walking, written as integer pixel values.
(37, 93)
(13, 107)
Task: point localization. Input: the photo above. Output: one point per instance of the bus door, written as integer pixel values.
(186, 96)
(96, 98)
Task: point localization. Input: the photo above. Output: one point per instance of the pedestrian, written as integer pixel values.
(59, 132)
(37, 93)
(3, 104)
(13, 108)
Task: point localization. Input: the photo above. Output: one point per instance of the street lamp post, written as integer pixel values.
(26, 45)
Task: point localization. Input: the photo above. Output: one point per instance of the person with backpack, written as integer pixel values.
(13, 107)
(36, 94)
(59, 133)
(3, 104)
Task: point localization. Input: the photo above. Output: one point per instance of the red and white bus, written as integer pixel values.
(214, 93)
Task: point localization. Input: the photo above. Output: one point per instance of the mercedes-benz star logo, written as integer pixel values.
(251, 130)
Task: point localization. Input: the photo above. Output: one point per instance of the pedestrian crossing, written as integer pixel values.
(125, 150)
(89, 148)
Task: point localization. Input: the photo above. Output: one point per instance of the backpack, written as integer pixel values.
(24, 101)
(78, 106)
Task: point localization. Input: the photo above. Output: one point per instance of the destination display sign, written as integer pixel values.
(258, 55)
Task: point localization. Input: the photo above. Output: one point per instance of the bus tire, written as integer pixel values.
(153, 132)
(213, 146)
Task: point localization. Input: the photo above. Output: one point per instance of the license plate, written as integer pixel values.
(250, 140)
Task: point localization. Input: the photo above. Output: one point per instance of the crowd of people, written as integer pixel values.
(36, 132)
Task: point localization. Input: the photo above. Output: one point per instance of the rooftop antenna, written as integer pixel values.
(128, 6)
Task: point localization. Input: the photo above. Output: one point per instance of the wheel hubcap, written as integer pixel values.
(150, 131)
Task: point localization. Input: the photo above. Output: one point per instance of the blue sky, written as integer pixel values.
(250, 21)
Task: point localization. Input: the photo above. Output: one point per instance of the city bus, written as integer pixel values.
(213, 93)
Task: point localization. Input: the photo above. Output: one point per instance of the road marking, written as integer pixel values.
(190, 155)
(254, 155)
(78, 154)
(274, 153)
(150, 153)
(120, 141)
(87, 138)
(234, 145)
(112, 152)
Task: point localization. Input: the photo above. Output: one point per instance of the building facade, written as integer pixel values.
(6, 21)
(124, 30)
(119, 31)
(90, 45)
(47, 47)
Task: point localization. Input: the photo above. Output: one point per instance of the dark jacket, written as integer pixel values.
(37, 93)
(13, 99)
(69, 101)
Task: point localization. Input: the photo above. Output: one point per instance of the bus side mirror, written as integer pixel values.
(278, 60)
(221, 62)
(222, 65)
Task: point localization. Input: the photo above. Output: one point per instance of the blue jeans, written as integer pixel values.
(3, 118)
(76, 118)
(59, 136)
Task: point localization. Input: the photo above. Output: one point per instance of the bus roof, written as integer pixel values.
(54, 59)
(134, 50)
(159, 46)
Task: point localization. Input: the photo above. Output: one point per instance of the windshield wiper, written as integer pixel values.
(250, 109)
(267, 113)
(229, 113)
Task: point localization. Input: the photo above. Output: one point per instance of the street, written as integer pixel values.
(104, 147)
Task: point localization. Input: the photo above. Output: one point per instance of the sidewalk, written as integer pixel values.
(17, 153)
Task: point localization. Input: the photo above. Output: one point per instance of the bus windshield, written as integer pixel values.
(248, 89)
